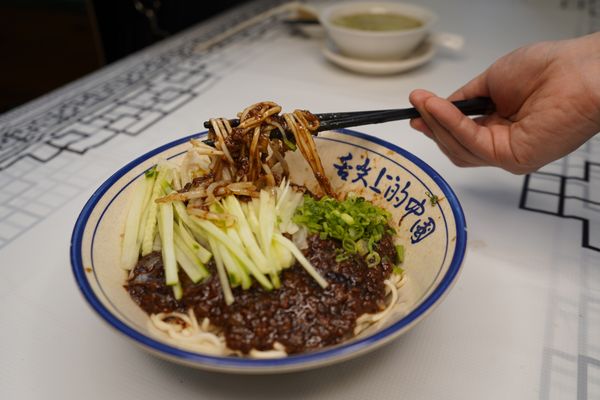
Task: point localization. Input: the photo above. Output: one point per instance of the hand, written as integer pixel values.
(547, 98)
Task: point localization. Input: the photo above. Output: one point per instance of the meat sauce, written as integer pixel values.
(300, 314)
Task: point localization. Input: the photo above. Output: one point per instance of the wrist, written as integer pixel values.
(587, 55)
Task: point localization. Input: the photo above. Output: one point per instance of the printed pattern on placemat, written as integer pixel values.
(571, 353)
(29, 193)
(129, 102)
(39, 142)
(569, 188)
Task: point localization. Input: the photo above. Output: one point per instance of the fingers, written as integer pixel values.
(454, 123)
(433, 111)
(421, 126)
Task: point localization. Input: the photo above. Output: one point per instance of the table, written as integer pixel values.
(523, 321)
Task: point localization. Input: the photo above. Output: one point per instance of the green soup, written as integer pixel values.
(377, 22)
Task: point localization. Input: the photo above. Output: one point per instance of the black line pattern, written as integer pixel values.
(41, 144)
(569, 188)
(153, 89)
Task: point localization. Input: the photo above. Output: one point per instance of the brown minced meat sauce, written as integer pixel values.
(300, 314)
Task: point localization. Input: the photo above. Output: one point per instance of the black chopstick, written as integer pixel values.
(331, 121)
(476, 106)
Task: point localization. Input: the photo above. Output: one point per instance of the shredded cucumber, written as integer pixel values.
(130, 250)
(151, 224)
(203, 254)
(287, 202)
(177, 291)
(181, 212)
(267, 221)
(237, 271)
(187, 264)
(249, 248)
(235, 249)
(399, 253)
(156, 245)
(248, 240)
(150, 178)
(274, 275)
(221, 272)
(165, 228)
(283, 256)
(190, 255)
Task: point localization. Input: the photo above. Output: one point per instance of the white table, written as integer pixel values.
(523, 321)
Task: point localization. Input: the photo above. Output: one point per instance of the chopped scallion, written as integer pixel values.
(399, 253)
(357, 223)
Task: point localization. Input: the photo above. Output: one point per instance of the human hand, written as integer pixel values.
(547, 98)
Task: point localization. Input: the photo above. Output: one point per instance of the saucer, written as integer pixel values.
(420, 56)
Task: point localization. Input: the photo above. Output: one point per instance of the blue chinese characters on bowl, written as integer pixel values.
(390, 187)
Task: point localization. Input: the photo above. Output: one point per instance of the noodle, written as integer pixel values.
(299, 126)
(186, 332)
(247, 153)
(392, 286)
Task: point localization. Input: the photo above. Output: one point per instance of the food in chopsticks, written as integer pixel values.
(230, 257)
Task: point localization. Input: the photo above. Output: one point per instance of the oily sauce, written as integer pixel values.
(300, 314)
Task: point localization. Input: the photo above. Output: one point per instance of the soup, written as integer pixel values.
(377, 22)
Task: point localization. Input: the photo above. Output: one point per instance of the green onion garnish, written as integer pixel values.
(355, 222)
(433, 199)
(399, 254)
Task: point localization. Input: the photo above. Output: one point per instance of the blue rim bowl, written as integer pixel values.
(322, 357)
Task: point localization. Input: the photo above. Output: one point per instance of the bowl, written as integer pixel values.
(376, 45)
(433, 233)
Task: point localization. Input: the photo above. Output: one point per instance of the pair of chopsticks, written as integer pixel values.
(340, 120)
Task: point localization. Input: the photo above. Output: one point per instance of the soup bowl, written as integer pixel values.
(376, 45)
(431, 229)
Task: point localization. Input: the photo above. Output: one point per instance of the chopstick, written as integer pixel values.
(476, 106)
(331, 121)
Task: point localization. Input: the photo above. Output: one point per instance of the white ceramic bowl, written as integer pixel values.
(375, 45)
(434, 237)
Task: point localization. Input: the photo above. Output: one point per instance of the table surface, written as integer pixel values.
(523, 321)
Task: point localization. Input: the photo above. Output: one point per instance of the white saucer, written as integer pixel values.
(420, 56)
